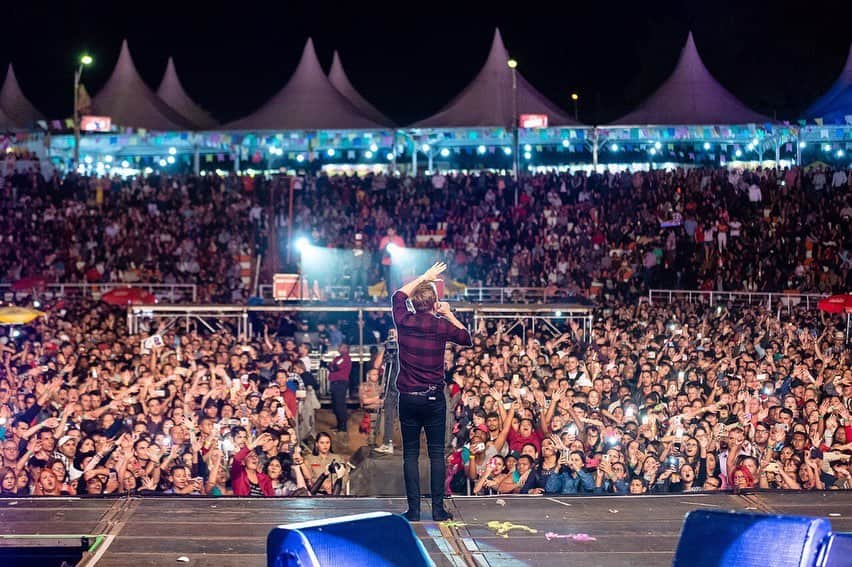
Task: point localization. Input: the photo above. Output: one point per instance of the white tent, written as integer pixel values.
(341, 82)
(171, 91)
(129, 102)
(15, 105)
(691, 96)
(307, 102)
(488, 100)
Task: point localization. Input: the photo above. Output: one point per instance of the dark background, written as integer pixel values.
(410, 58)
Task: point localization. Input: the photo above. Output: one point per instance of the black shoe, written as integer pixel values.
(412, 516)
(441, 515)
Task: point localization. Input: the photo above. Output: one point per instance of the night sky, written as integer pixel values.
(410, 58)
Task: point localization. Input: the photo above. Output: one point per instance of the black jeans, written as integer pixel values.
(429, 413)
(338, 401)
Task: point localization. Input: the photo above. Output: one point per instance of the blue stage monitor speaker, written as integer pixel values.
(725, 538)
(379, 539)
(837, 551)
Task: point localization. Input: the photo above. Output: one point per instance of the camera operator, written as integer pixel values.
(424, 327)
(391, 401)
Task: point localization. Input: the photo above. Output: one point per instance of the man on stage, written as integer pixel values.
(424, 327)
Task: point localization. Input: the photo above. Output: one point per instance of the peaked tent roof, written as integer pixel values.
(171, 92)
(341, 82)
(307, 102)
(825, 103)
(839, 111)
(487, 100)
(129, 102)
(691, 96)
(15, 105)
(6, 123)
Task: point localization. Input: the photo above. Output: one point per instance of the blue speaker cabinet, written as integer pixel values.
(721, 538)
(378, 539)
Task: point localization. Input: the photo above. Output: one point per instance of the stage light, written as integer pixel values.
(86, 60)
(300, 158)
(170, 159)
(803, 144)
(368, 154)
(390, 156)
(330, 152)
(527, 148)
(172, 151)
(653, 151)
(481, 150)
(15, 333)
(614, 147)
(36, 304)
(827, 147)
(738, 153)
(755, 142)
(148, 171)
(163, 163)
(507, 150)
(395, 250)
(750, 147)
(527, 155)
(88, 159)
(108, 159)
(425, 148)
(445, 152)
(374, 148)
(658, 145)
(512, 63)
(302, 244)
(558, 313)
(125, 164)
(565, 143)
(839, 153)
(706, 145)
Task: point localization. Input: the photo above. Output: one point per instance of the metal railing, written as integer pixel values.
(470, 294)
(171, 293)
(772, 300)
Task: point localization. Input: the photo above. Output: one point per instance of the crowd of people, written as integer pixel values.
(710, 229)
(653, 398)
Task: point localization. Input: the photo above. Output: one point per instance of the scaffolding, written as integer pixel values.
(528, 318)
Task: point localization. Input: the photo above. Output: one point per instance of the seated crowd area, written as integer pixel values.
(652, 398)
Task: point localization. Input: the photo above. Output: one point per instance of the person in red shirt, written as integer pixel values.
(338, 379)
(246, 478)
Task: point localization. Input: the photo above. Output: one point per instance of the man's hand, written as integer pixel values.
(436, 270)
(443, 308)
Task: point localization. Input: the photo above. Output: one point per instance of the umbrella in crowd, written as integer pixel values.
(23, 284)
(128, 296)
(841, 303)
(18, 315)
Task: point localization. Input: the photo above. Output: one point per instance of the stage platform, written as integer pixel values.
(641, 530)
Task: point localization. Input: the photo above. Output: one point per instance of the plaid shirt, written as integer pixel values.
(422, 338)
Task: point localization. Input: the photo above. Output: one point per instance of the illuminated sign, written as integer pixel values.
(533, 121)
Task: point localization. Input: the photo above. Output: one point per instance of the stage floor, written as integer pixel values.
(229, 532)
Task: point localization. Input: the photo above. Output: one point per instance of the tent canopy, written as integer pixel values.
(839, 110)
(488, 100)
(171, 91)
(337, 77)
(128, 101)
(307, 102)
(827, 103)
(691, 96)
(15, 105)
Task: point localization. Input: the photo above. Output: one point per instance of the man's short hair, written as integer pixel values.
(423, 297)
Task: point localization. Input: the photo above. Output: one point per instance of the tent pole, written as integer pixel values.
(778, 152)
(413, 158)
(236, 159)
(196, 160)
(393, 153)
(799, 149)
(430, 159)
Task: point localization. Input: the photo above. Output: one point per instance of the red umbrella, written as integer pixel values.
(841, 303)
(24, 284)
(128, 296)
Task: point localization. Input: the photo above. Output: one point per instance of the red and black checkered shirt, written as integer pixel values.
(422, 338)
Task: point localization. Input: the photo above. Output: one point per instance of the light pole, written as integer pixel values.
(84, 61)
(513, 65)
(575, 97)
